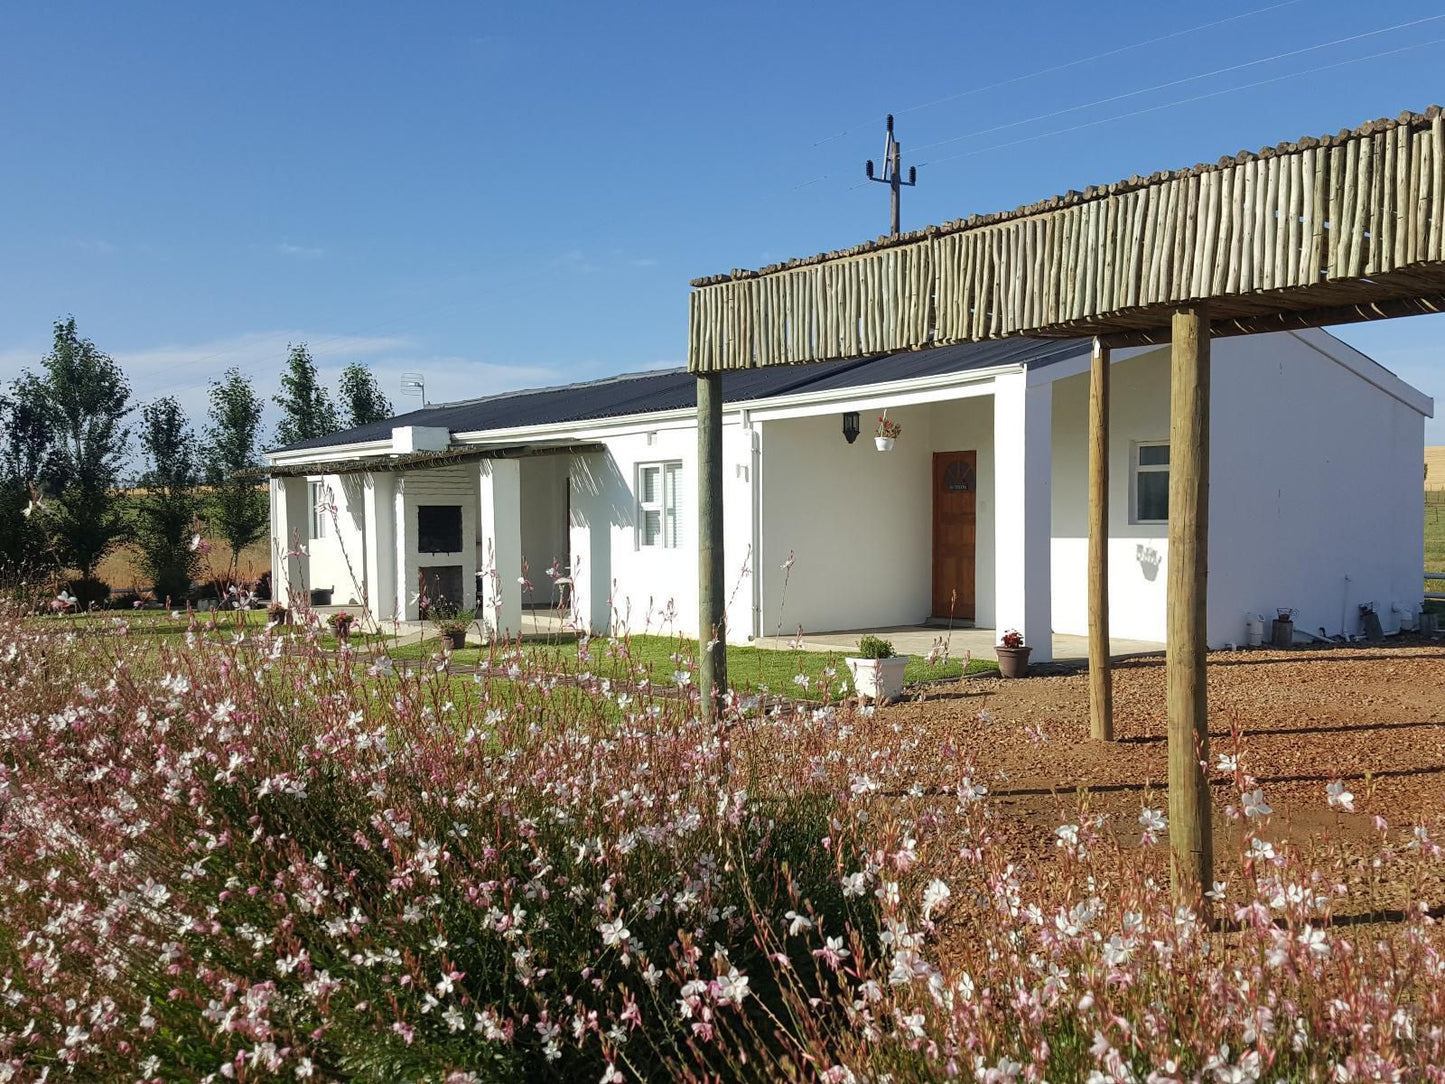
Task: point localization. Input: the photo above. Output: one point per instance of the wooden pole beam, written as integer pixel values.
(1101, 678)
(711, 613)
(1190, 830)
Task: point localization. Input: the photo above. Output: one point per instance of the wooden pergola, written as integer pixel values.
(1324, 231)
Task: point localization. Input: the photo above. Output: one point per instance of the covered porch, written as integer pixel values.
(950, 527)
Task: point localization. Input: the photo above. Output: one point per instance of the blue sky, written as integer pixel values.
(506, 196)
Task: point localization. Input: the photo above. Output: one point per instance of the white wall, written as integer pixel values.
(622, 585)
(338, 561)
(1138, 411)
(1314, 476)
(857, 521)
(544, 519)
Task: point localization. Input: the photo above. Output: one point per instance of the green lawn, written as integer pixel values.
(751, 669)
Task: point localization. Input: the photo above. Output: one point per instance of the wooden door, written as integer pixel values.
(955, 484)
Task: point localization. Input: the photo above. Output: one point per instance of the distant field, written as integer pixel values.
(1435, 467)
(1435, 537)
(122, 571)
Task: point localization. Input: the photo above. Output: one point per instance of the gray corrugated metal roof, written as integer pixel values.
(676, 389)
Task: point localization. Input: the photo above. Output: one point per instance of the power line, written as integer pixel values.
(1078, 62)
(1185, 101)
(1181, 81)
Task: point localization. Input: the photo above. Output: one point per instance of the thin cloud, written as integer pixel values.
(300, 252)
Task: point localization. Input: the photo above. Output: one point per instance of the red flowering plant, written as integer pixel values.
(1012, 638)
(889, 428)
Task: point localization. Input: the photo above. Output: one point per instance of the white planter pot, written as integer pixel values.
(878, 679)
(883, 444)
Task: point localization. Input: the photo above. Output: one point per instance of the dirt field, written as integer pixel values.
(1370, 715)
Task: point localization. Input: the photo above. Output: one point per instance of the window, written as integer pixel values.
(439, 528)
(1151, 482)
(659, 501)
(320, 497)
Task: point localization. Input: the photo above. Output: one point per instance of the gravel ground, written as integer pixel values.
(1370, 715)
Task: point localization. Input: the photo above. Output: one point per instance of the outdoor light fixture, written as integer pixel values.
(850, 426)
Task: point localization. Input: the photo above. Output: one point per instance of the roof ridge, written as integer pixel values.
(615, 378)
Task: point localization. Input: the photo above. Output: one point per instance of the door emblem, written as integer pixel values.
(958, 478)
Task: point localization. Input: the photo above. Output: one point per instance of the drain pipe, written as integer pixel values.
(755, 437)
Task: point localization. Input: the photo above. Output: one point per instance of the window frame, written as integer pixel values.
(667, 510)
(1137, 468)
(316, 488)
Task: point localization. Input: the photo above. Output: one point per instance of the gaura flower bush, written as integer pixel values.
(230, 855)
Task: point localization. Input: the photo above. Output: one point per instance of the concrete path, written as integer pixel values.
(919, 640)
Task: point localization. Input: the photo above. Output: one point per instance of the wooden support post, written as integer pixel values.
(711, 613)
(1190, 829)
(1101, 678)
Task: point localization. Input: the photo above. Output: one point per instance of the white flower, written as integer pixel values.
(1255, 805)
(854, 884)
(1314, 942)
(935, 896)
(612, 1076)
(732, 987)
(1339, 798)
(969, 791)
(614, 933)
(797, 923)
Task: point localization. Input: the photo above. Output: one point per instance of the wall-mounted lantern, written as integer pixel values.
(850, 426)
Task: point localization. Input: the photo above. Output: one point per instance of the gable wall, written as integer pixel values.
(1315, 476)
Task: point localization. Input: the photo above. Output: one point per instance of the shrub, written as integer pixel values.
(241, 857)
(875, 647)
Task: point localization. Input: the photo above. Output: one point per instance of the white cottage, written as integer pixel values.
(977, 514)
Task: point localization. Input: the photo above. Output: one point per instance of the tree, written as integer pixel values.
(361, 396)
(306, 407)
(166, 511)
(84, 399)
(24, 443)
(237, 512)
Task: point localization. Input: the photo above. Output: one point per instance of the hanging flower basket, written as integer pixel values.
(886, 434)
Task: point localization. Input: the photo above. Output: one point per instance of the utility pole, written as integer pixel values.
(893, 172)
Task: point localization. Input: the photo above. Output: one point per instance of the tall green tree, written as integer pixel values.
(165, 513)
(24, 443)
(237, 511)
(84, 399)
(306, 407)
(361, 396)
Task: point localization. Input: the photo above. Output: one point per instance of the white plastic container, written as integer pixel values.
(1253, 630)
(878, 679)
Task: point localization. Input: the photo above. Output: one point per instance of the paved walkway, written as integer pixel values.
(907, 639)
(919, 640)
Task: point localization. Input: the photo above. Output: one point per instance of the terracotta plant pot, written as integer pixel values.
(455, 638)
(1013, 662)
